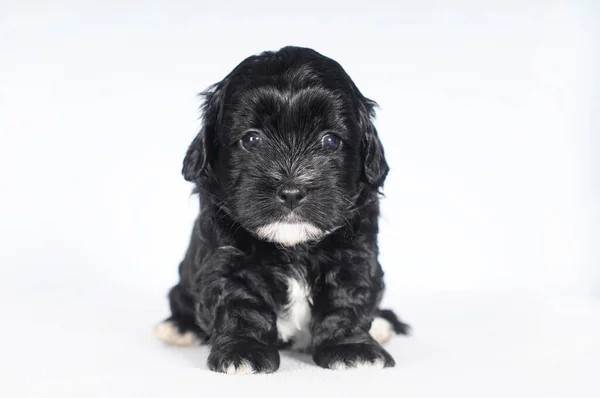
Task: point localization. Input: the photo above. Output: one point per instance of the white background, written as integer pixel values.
(488, 113)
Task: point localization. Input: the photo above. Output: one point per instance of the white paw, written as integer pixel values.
(381, 330)
(168, 332)
(377, 364)
(244, 368)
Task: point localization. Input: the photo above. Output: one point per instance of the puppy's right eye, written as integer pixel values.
(250, 140)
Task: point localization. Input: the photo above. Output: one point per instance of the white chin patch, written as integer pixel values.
(377, 364)
(168, 333)
(289, 233)
(381, 330)
(244, 368)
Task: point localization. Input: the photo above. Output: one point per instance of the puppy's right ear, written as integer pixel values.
(194, 162)
(203, 148)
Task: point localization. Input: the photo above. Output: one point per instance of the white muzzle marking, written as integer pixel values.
(289, 233)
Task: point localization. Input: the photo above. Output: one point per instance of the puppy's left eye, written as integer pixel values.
(331, 141)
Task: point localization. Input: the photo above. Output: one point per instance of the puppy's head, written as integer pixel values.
(287, 146)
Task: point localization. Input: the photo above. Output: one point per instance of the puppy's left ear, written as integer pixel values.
(375, 167)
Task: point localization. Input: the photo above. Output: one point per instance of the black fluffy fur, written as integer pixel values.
(233, 283)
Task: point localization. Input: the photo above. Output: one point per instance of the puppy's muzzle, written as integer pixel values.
(291, 196)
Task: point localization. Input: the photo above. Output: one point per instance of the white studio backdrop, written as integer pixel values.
(485, 112)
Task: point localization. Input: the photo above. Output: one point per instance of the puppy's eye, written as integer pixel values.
(331, 141)
(250, 140)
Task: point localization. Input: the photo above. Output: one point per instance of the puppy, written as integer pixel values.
(288, 167)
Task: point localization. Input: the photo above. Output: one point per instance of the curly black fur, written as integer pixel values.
(234, 280)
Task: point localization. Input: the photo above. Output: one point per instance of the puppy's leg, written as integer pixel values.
(385, 325)
(342, 320)
(180, 328)
(235, 305)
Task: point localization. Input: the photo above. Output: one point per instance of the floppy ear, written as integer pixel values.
(194, 162)
(201, 151)
(375, 167)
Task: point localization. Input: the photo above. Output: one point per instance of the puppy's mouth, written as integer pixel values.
(289, 232)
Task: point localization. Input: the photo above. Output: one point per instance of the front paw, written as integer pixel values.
(352, 355)
(242, 356)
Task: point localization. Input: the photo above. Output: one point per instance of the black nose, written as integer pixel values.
(291, 196)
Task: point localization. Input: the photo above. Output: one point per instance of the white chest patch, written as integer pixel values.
(293, 322)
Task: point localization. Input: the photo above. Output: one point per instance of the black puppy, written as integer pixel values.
(288, 167)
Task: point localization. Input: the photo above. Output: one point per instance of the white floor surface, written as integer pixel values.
(464, 345)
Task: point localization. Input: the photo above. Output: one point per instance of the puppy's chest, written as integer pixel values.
(294, 316)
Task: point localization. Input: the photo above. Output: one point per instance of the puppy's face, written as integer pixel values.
(290, 162)
(288, 151)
